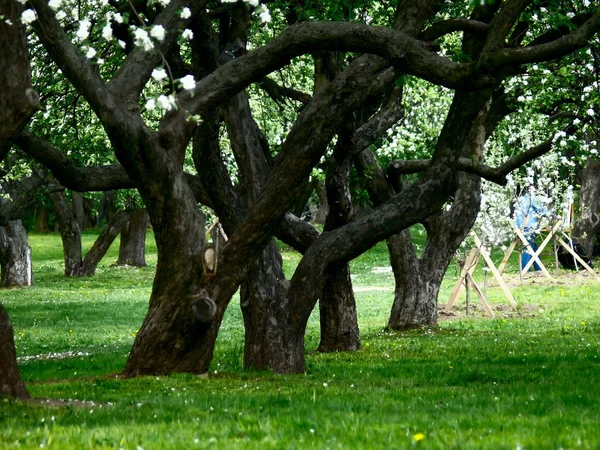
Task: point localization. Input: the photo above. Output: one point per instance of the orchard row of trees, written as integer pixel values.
(234, 106)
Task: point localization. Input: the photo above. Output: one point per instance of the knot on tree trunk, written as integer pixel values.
(204, 308)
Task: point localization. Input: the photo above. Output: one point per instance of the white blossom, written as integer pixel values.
(188, 82)
(22, 2)
(122, 44)
(164, 2)
(576, 121)
(142, 39)
(28, 16)
(91, 52)
(166, 103)
(107, 32)
(118, 18)
(159, 74)
(151, 104)
(55, 4)
(61, 15)
(186, 13)
(265, 15)
(158, 32)
(84, 29)
(253, 2)
(187, 34)
(590, 112)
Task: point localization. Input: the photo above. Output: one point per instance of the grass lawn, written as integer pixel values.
(529, 378)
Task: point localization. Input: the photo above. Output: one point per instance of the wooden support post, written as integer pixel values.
(543, 245)
(481, 296)
(509, 251)
(577, 258)
(470, 264)
(494, 270)
(533, 254)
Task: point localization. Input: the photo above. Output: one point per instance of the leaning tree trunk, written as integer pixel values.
(11, 383)
(109, 233)
(588, 220)
(15, 256)
(132, 249)
(70, 233)
(171, 336)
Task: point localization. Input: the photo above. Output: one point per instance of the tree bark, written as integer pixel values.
(337, 306)
(418, 280)
(132, 249)
(15, 256)
(18, 102)
(264, 303)
(588, 219)
(70, 233)
(109, 233)
(168, 339)
(78, 213)
(11, 383)
(41, 219)
(321, 215)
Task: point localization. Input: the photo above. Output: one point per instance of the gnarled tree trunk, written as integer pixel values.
(11, 383)
(15, 256)
(132, 249)
(263, 299)
(18, 102)
(107, 236)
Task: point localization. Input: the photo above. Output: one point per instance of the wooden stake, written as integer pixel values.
(494, 270)
(481, 296)
(533, 254)
(470, 264)
(577, 257)
(543, 245)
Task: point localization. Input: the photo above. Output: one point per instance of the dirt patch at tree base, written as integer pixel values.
(476, 311)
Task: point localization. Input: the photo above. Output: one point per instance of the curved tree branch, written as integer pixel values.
(550, 50)
(84, 179)
(494, 174)
(444, 27)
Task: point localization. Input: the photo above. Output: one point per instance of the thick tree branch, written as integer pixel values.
(277, 92)
(85, 179)
(444, 27)
(551, 50)
(387, 116)
(407, 54)
(500, 27)
(494, 174)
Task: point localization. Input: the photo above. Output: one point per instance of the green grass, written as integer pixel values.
(529, 378)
